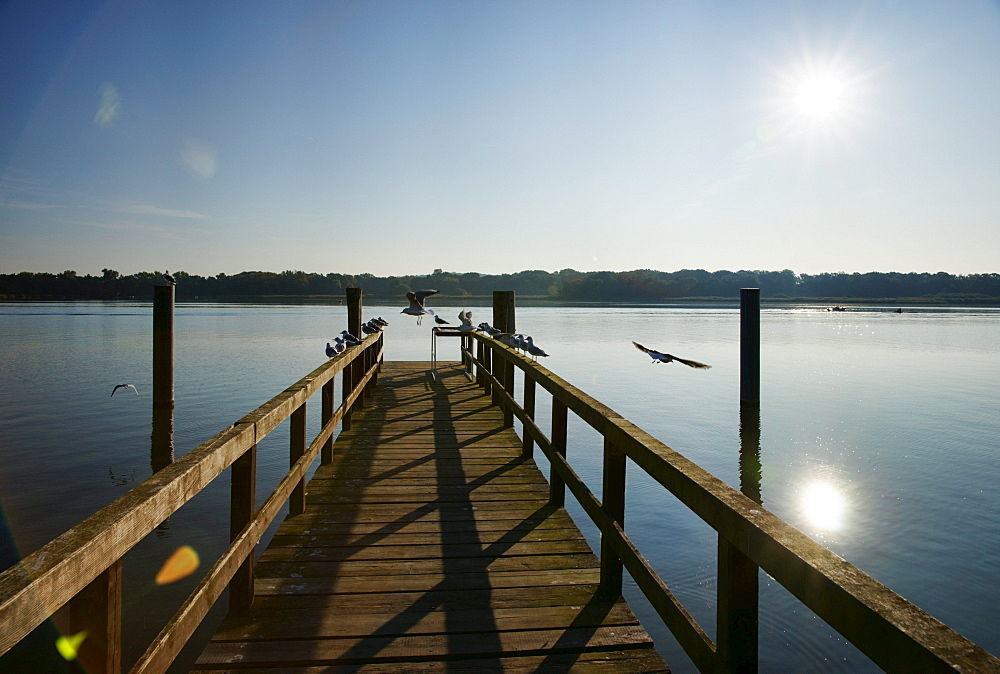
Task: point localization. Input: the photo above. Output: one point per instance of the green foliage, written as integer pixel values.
(640, 285)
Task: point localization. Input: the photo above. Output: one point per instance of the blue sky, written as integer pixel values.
(399, 137)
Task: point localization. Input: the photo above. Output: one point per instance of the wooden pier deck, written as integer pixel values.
(428, 544)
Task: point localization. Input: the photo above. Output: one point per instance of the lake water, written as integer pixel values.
(879, 436)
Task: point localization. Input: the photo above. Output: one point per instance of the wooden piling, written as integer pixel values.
(750, 345)
(162, 436)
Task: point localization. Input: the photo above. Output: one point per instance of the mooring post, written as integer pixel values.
(162, 438)
(750, 345)
(503, 320)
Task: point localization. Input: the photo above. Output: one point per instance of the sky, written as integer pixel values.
(397, 137)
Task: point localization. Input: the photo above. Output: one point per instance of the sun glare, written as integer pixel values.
(823, 506)
(819, 96)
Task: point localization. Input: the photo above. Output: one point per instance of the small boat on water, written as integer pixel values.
(836, 308)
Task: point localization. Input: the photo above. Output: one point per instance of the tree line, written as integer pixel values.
(641, 285)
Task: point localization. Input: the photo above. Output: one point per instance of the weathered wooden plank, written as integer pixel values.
(347, 651)
(490, 579)
(416, 552)
(422, 566)
(451, 537)
(373, 531)
(319, 498)
(421, 619)
(434, 599)
(632, 660)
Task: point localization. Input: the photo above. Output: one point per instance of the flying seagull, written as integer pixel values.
(124, 386)
(169, 278)
(666, 358)
(416, 307)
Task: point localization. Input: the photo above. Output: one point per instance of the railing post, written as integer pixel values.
(613, 500)
(326, 413)
(527, 444)
(736, 620)
(354, 310)
(297, 447)
(487, 383)
(346, 387)
(557, 487)
(750, 345)
(504, 320)
(97, 609)
(242, 509)
(480, 356)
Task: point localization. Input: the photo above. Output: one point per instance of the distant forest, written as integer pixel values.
(643, 285)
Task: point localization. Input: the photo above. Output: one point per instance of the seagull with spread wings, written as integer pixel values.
(666, 358)
(416, 307)
(124, 386)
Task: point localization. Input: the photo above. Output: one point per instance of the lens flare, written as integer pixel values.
(69, 646)
(182, 563)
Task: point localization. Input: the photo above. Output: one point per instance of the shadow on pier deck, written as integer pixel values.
(429, 544)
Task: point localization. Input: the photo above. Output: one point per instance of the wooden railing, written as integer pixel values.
(895, 634)
(83, 566)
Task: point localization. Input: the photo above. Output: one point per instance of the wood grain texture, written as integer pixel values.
(428, 543)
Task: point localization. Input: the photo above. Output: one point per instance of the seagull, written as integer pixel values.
(666, 358)
(416, 307)
(370, 329)
(331, 351)
(124, 386)
(381, 321)
(534, 350)
(466, 318)
(441, 321)
(169, 278)
(350, 339)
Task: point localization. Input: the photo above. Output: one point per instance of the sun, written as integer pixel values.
(819, 96)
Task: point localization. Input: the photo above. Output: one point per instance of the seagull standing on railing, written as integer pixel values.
(124, 386)
(535, 351)
(381, 321)
(331, 351)
(416, 307)
(350, 339)
(666, 358)
(441, 321)
(370, 329)
(466, 318)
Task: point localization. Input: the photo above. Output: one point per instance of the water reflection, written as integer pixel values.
(824, 506)
(750, 468)
(161, 451)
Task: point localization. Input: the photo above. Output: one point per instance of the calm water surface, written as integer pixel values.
(878, 438)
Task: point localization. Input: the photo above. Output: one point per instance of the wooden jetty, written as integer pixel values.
(428, 540)
(428, 543)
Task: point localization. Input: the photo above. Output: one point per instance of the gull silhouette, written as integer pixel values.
(666, 358)
(124, 386)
